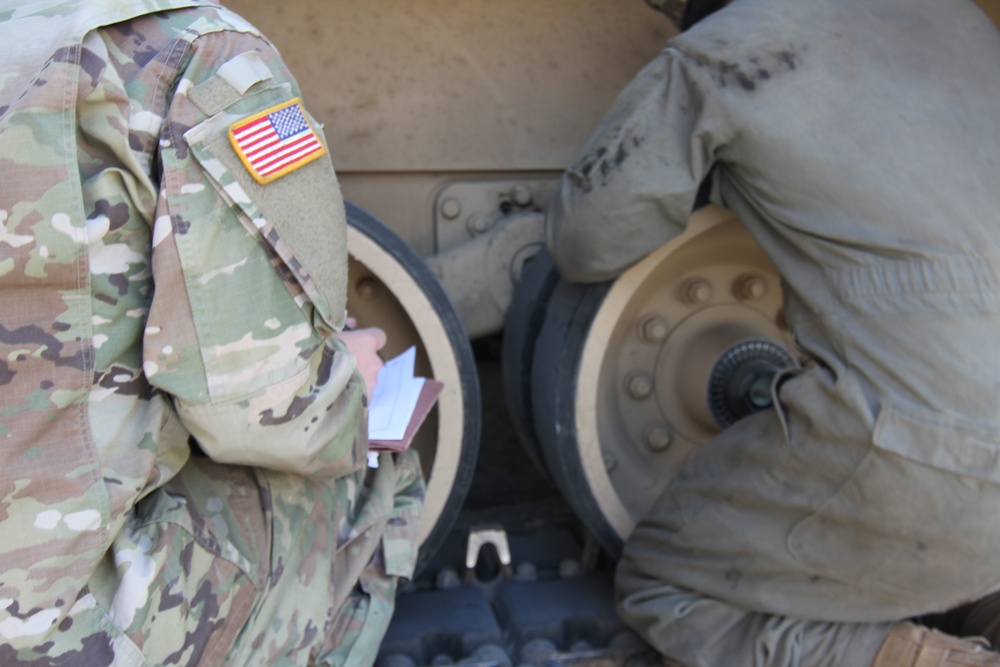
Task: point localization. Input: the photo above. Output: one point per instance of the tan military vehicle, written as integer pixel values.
(448, 122)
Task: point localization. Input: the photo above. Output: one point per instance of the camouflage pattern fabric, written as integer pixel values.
(149, 293)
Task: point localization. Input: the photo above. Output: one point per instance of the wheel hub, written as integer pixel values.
(740, 381)
(630, 378)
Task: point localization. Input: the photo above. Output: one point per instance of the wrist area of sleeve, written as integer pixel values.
(311, 425)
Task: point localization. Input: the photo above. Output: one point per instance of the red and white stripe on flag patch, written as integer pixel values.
(275, 142)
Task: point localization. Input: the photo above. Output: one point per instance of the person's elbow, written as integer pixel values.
(593, 242)
(573, 231)
(577, 261)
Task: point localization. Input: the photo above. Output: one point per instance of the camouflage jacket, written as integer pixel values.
(152, 284)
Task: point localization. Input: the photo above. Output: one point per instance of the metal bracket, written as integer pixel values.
(480, 537)
(479, 276)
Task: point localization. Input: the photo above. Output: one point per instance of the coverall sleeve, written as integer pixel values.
(250, 278)
(634, 185)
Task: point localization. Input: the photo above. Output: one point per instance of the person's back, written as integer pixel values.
(152, 290)
(858, 142)
(862, 151)
(75, 291)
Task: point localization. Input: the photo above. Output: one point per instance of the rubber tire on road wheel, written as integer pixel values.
(524, 320)
(390, 286)
(558, 352)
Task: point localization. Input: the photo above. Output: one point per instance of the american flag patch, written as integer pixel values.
(275, 142)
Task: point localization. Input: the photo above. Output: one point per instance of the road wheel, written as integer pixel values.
(389, 286)
(630, 377)
(525, 317)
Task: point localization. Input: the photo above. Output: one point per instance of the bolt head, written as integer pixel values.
(479, 223)
(367, 289)
(640, 386)
(659, 438)
(451, 208)
(750, 287)
(696, 292)
(653, 329)
(521, 195)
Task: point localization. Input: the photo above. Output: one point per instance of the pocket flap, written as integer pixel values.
(941, 442)
(298, 213)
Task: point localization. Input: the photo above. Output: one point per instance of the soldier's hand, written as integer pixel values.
(365, 344)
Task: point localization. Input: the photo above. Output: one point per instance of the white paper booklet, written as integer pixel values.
(395, 397)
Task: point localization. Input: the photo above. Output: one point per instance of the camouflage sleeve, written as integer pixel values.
(250, 273)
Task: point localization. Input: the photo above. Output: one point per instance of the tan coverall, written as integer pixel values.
(859, 142)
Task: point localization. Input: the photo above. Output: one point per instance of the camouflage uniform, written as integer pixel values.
(871, 492)
(152, 290)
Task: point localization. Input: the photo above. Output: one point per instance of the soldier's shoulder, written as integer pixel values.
(203, 19)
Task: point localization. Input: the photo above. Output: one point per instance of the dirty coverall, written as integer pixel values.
(151, 290)
(859, 143)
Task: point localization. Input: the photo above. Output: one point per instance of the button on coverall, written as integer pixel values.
(859, 143)
(152, 290)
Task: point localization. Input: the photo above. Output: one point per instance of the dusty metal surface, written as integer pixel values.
(448, 85)
(415, 94)
(480, 275)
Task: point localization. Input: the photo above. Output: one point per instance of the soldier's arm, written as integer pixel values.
(634, 185)
(250, 276)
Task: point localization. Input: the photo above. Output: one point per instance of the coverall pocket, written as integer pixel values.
(917, 518)
(952, 445)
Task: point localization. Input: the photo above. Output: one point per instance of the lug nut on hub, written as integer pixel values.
(640, 386)
(659, 438)
(750, 287)
(696, 292)
(653, 329)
